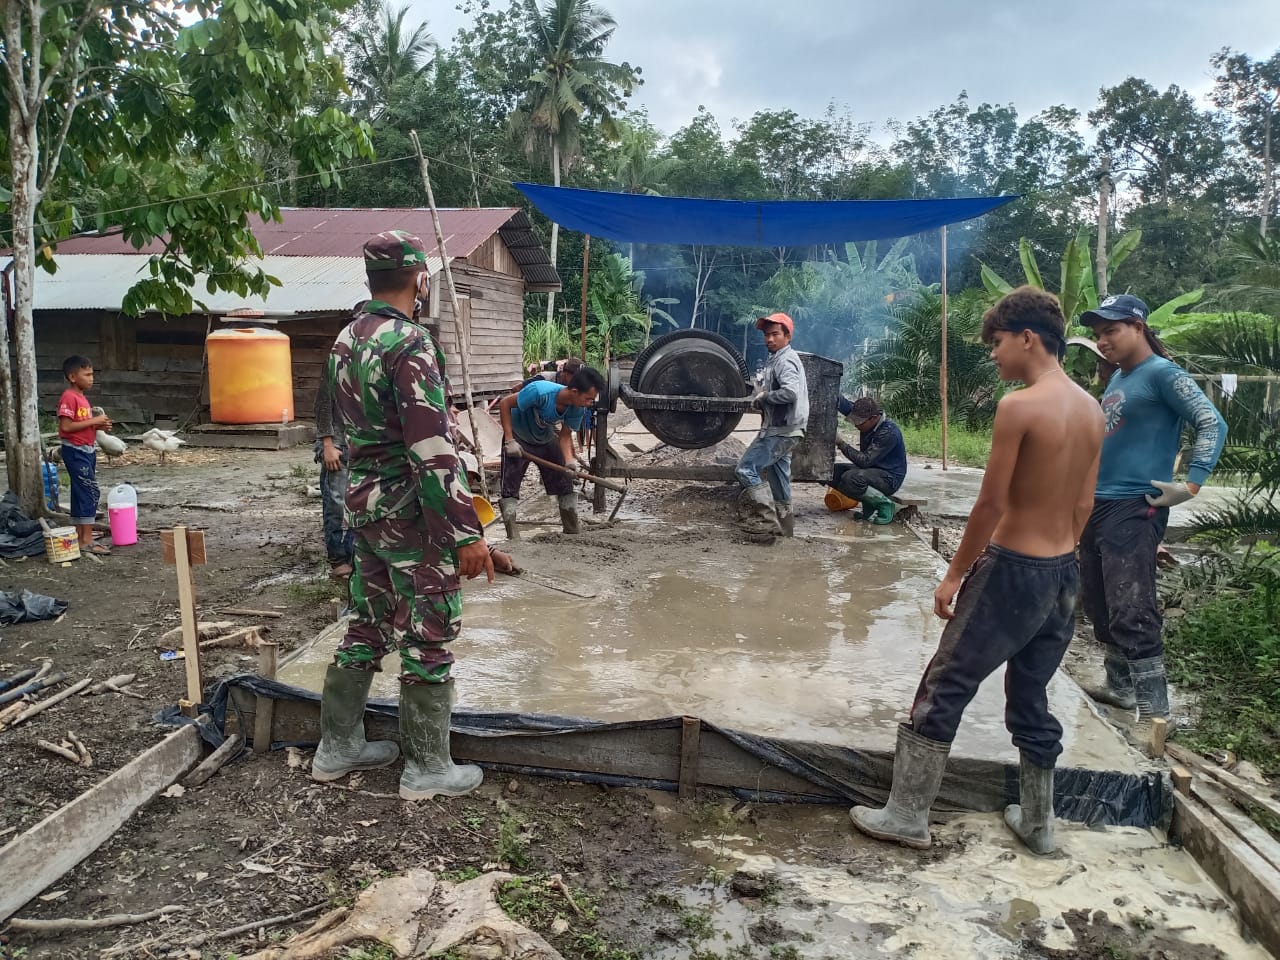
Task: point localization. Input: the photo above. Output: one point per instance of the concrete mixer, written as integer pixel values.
(690, 389)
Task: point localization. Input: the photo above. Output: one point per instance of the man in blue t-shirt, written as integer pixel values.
(1145, 404)
(541, 418)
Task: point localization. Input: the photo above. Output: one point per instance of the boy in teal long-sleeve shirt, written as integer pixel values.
(1145, 404)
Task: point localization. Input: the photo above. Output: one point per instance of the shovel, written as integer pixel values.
(619, 488)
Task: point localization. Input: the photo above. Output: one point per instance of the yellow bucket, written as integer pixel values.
(61, 544)
(837, 501)
(484, 510)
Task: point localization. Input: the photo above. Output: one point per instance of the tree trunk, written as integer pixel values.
(23, 449)
(1100, 259)
(555, 227)
(1268, 176)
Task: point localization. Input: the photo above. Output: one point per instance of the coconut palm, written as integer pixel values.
(571, 83)
(1256, 283)
(385, 54)
(902, 368)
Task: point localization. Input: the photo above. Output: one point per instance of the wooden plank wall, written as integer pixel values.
(494, 316)
(310, 340)
(493, 255)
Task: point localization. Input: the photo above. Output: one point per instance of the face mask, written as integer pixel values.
(423, 294)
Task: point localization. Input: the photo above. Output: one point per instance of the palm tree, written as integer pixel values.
(638, 169)
(571, 81)
(385, 54)
(1256, 283)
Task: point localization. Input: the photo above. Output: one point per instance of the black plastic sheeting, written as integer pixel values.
(1093, 797)
(28, 607)
(20, 536)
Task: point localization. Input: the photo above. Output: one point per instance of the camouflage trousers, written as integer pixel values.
(404, 596)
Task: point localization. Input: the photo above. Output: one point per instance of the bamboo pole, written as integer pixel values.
(586, 262)
(942, 372)
(457, 320)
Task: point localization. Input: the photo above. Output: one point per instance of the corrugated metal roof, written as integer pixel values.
(90, 281)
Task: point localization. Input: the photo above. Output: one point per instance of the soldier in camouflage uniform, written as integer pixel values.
(416, 532)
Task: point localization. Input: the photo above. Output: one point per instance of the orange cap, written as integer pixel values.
(779, 318)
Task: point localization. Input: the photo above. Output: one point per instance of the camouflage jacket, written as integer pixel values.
(385, 373)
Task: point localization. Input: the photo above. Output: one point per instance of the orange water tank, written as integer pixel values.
(250, 376)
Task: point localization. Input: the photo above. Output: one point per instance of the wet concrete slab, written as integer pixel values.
(822, 638)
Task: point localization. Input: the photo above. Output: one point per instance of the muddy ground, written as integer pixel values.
(261, 839)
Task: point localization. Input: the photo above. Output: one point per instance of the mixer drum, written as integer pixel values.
(690, 363)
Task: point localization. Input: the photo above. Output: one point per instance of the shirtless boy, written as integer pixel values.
(1016, 603)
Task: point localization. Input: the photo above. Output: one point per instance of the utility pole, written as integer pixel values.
(1104, 202)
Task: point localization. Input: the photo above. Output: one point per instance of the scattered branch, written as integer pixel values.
(43, 705)
(64, 752)
(90, 923)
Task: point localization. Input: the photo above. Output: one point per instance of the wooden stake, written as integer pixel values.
(690, 752)
(215, 761)
(586, 263)
(187, 608)
(1181, 778)
(1159, 730)
(264, 720)
(457, 318)
(942, 372)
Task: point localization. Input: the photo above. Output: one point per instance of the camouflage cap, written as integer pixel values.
(392, 250)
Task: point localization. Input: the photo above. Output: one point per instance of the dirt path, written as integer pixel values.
(650, 877)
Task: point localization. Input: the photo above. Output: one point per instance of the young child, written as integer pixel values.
(765, 508)
(1016, 603)
(76, 428)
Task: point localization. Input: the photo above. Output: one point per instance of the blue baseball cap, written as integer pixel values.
(1118, 309)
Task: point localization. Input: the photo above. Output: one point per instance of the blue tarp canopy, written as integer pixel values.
(636, 218)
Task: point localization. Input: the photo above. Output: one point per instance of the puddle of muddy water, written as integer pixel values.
(824, 641)
(834, 893)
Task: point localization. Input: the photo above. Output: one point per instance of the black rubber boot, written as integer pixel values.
(1031, 818)
(918, 765)
(343, 748)
(510, 507)
(429, 770)
(568, 512)
(1151, 691)
(1117, 688)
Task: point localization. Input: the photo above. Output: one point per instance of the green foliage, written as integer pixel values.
(1225, 648)
(902, 368)
(620, 320)
(513, 843)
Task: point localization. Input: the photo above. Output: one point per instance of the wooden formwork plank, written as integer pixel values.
(41, 855)
(690, 754)
(1236, 867)
(1240, 823)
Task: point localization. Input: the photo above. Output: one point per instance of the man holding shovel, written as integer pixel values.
(531, 420)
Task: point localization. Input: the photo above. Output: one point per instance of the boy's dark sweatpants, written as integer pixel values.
(1118, 568)
(553, 481)
(1011, 609)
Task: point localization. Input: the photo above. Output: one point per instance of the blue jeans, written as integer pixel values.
(339, 542)
(769, 458)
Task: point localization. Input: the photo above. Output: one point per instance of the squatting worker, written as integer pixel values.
(416, 531)
(541, 419)
(1145, 404)
(1017, 577)
(877, 468)
(764, 506)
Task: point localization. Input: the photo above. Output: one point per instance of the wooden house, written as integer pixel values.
(152, 366)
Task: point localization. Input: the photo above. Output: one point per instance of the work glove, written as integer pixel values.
(512, 449)
(583, 462)
(1171, 494)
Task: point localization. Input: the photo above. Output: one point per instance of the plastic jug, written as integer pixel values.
(122, 513)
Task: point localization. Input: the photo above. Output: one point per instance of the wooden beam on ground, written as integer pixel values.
(214, 762)
(1181, 778)
(41, 855)
(1241, 824)
(1243, 791)
(690, 754)
(1252, 882)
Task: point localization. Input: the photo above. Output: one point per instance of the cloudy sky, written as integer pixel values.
(900, 58)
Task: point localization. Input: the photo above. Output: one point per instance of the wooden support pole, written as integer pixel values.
(1159, 731)
(942, 370)
(264, 719)
(1100, 255)
(586, 263)
(1181, 778)
(463, 358)
(690, 753)
(187, 610)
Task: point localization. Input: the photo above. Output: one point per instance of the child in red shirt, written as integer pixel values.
(77, 428)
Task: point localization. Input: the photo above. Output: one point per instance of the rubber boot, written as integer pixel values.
(1117, 689)
(568, 512)
(343, 748)
(509, 507)
(1151, 691)
(1031, 818)
(918, 764)
(877, 508)
(786, 519)
(429, 771)
(757, 515)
